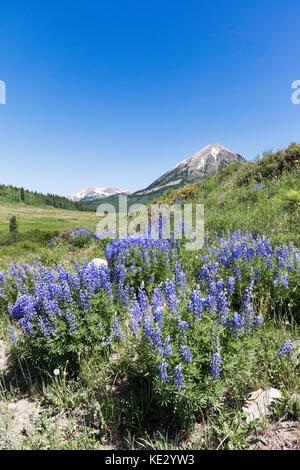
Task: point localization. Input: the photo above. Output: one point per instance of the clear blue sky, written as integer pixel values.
(115, 93)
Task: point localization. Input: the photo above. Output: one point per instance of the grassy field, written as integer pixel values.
(36, 226)
(43, 218)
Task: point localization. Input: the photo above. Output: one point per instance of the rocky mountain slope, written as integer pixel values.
(206, 161)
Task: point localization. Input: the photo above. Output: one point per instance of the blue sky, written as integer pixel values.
(115, 93)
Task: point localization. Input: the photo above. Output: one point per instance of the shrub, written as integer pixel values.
(13, 226)
(243, 260)
(141, 261)
(194, 347)
(59, 316)
(82, 237)
(293, 199)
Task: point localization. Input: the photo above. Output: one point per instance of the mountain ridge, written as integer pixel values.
(95, 193)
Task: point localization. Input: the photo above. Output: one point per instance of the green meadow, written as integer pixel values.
(36, 226)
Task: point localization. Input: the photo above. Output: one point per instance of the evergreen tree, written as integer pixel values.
(13, 226)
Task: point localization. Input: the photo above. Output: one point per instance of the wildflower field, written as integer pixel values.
(160, 346)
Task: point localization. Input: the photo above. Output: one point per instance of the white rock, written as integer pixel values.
(99, 262)
(3, 356)
(295, 357)
(259, 403)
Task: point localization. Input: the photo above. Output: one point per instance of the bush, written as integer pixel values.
(13, 226)
(293, 199)
(82, 238)
(243, 260)
(59, 316)
(141, 261)
(196, 346)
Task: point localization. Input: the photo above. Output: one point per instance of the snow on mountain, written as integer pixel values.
(206, 161)
(91, 194)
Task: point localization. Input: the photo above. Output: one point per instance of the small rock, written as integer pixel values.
(3, 356)
(98, 262)
(295, 357)
(259, 402)
(12, 406)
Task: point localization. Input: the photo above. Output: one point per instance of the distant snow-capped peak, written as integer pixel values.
(91, 194)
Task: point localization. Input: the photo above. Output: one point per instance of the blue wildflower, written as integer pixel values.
(186, 354)
(163, 372)
(177, 376)
(285, 348)
(215, 367)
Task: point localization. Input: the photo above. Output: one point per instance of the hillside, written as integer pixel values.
(32, 198)
(261, 197)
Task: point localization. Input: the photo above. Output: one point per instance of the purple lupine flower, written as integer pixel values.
(186, 354)
(26, 325)
(142, 300)
(258, 322)
(125, 297)
(215, 367)
(157, 300)
(195, 305)
(170, 294)
(177, 376)
(136, 318)
(25, 305)
(285, 348)
(179, 277)
(163, 372)
(72, 322)
(2, 279)
(158, 317)
(231, 284)
(236, 325)
(12, 336)
(117, 331)
(46, 328)
(167, 350)
(248, 309)
(258, 276)
(282, 280)
(183, 326)
(156, 339)
(221, 312)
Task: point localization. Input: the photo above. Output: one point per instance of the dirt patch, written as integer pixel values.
(282, 435)
(17, 420)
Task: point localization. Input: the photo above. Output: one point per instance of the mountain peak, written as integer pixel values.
(204, 162)
(91, 194)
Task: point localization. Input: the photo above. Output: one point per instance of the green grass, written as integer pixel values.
(36, 226)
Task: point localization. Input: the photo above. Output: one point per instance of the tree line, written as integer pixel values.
(33, 198)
